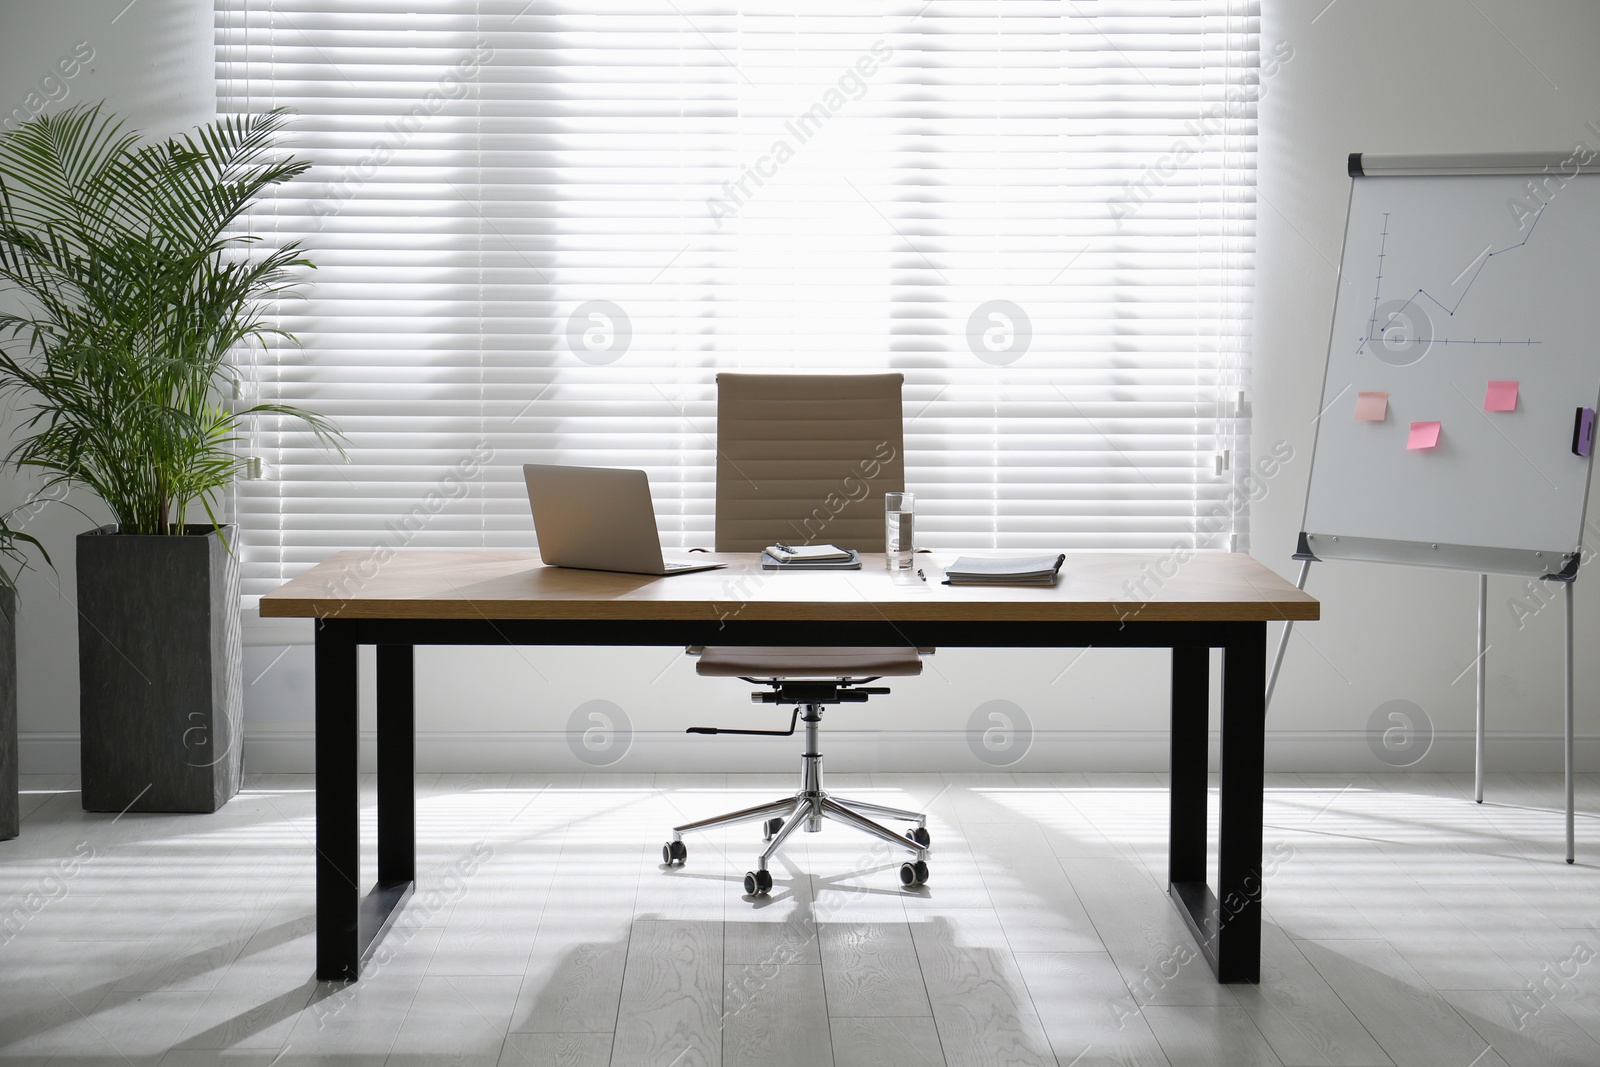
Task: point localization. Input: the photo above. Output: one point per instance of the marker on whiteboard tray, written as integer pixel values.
(1583, 432)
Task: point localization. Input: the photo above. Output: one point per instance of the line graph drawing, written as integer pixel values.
(1406, 327)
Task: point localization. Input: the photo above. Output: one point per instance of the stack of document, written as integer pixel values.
(809, 557)
(1018, 570)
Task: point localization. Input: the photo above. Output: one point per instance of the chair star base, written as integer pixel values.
(807, 808)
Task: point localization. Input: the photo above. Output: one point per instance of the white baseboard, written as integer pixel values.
(862, 750)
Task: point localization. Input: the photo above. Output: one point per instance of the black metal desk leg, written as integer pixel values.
(397, 763)
(338, 806)
(1186, 836)
(1243, 779)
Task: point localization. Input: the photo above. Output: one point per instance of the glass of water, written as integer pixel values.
(898, 529)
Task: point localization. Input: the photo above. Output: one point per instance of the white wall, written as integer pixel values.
(1415, 77)
(153, 61)
(1364, 76)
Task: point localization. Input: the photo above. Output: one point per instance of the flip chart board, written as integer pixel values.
(1465, 344)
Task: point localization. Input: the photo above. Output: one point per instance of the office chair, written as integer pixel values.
(806, 459)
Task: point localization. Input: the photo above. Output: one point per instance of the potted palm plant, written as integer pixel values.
(11, 555)
(137, 289)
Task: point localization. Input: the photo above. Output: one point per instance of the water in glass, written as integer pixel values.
(898, 529)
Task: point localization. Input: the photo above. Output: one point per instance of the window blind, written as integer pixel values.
(541, 228)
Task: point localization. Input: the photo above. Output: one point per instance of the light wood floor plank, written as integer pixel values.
(1414, 1024)
(1387, 893)
(1299, 1014)
(1578, 998)
(457, 1020)
(791, 941)
(775, 1017)
(255, 1002)
(979, 798)
(871, 970)
(1524, 1031)
(672, 996)
(1303, 890)
(209, 1058)
(1091, 1018)
(136, 1030)
(709, 881)
(1141, 929)
(492, 927)
(1444, 950)
(1206, 1036)
(574, 980)
(1030, 891)
(1526, 940)
(978, 996)
(844, 892)
(359, 1019)
(956, 874)
(556, 1050)
(886, 1043)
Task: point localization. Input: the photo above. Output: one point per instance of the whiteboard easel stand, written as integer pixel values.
(1566, 579)
(1288, 627)
(1412, 217)
(1483, 650)
(1568, 763)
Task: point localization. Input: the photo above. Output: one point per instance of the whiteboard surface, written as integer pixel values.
(1449, 282)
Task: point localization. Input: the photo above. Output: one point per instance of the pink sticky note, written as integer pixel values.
(1372, 407)
(1502, 396)
(1423, 435)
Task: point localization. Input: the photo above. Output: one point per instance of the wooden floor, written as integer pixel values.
(1407, 925)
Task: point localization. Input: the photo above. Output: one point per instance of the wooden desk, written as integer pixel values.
(1187, 602)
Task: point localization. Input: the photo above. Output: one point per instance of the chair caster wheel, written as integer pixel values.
(921, 836)
(913, 873)
(770, 828)
(758, 883)
(674, 852)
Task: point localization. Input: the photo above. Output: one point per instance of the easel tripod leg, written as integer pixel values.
(1483, 649)
(1283, 638)
(1571, 853)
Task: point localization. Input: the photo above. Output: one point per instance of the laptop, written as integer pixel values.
(599, 519)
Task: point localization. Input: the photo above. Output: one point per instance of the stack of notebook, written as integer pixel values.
(809, 557)
(1021, 570)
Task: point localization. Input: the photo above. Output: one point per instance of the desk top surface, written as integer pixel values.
(505, 584)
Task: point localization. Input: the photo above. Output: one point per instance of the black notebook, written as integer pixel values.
(848, 559)
(1015, 570)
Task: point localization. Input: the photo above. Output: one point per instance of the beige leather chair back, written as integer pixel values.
(806, 458)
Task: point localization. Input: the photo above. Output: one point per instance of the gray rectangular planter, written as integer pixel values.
(159, 659)
(10, 803)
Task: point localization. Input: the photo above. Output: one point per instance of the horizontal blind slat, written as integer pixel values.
(483, 174)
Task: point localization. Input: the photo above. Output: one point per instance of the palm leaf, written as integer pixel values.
(11, 552)
(137, 287)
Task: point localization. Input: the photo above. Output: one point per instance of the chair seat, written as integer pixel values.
(777, 661)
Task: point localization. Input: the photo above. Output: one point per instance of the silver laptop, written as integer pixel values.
(599, 519)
